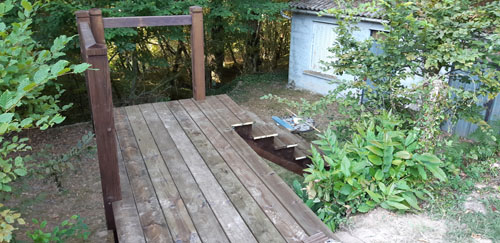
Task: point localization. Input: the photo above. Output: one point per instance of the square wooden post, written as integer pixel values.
(101, 103)
(197, 53)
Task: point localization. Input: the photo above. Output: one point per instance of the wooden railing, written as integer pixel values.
(93, 49)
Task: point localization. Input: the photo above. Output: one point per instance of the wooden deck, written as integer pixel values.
(187, 176)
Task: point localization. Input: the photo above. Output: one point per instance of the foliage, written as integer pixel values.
(380, 166)
(54, 166)
(153, 64)
(73, 228)
(25, 74)
(7, 219)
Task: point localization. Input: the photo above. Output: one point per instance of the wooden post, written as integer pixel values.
(197, 53)
(99, 88)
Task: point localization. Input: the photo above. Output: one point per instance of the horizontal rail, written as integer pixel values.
(147, 21)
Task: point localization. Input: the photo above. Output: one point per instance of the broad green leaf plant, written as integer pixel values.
(380, 166)
(26, 76)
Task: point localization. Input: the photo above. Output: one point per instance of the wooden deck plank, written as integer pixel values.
(201, 214)
(128, 224)
(179, 223)
(229, 116)
(232, 223)
(303, 215)
(257, 221)
(280, 217)
(150, 213)
(235, 108)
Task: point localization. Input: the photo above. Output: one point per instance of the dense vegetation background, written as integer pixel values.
(154, 64)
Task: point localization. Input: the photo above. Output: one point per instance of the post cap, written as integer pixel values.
(95, 11)
(195, 9)
(82, 14)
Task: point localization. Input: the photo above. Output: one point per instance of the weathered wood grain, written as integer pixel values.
(197, 53)
(229, 218)
(302, 214)
(200, 212)
(128, 224)
(280, 217)
(146, 21)
(101, 103)
(257, 221)
(152, 220)
(174, 210)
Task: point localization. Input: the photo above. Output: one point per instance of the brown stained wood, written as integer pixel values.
(258, 131)
(146, 21)
(281, 218)
(229, 218)
(262, 228)
(152, 220)
(128, 224)
(99, 88)
(302, 214)
(197, 53)
(97, 26)
(235, 108)
(200, 212)
(174, 210)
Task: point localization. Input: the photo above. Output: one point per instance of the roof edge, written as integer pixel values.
(315, 12)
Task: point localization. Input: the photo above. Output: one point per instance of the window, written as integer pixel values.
(323, 38)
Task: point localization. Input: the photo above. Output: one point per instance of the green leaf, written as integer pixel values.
(375, 196)
(379, 175)
(20, 172)
(41, 75)
(411, 200)
(403, 155)
(436, 171)
(80, 67)
(27, 5)
(346, 189)
(6, 117)
(422, 173)
(363, 208)
(376, 160)
(345, 166)
(375, 150)
(397, 205)
(430, 158)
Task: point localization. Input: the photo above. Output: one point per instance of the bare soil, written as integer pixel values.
(81, 190)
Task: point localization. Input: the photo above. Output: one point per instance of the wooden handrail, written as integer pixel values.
(147, 21)
(93, 49)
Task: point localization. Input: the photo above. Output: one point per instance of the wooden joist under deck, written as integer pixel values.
(187, 176)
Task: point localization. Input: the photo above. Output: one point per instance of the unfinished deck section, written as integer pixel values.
(187, 176)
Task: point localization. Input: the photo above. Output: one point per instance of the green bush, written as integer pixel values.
(26, 74)
(381, 165)
(74, 228)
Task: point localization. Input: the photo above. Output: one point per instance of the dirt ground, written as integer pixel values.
(81, 193)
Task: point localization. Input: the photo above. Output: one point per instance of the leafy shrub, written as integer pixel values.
(74, 228)
(26, 74)
(381, 165)
(7, 219)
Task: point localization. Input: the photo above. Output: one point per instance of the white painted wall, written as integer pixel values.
(310, 39)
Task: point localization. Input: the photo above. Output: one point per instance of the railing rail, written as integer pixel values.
(93, 49)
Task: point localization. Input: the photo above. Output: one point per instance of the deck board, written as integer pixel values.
(187, 176)
(257, 221)
(202, 216)
(229, 218)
